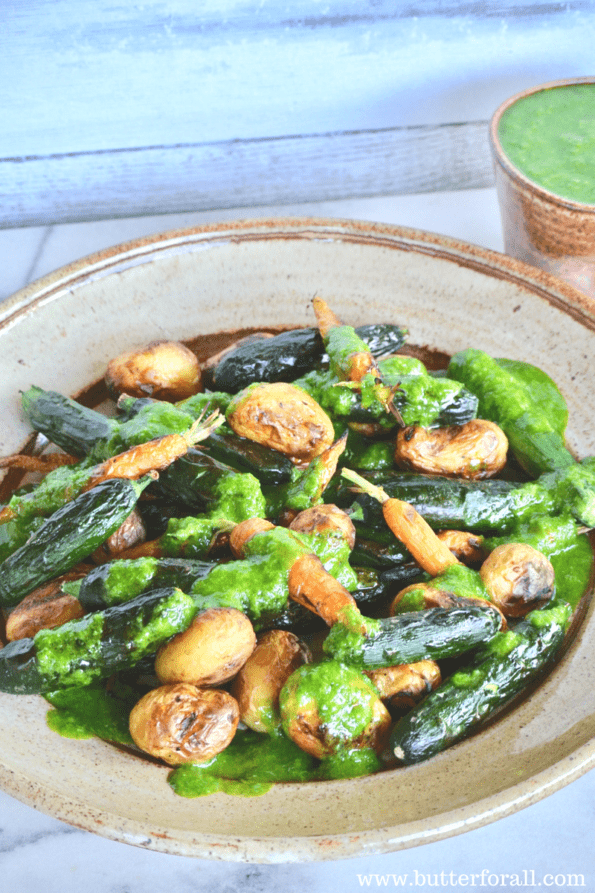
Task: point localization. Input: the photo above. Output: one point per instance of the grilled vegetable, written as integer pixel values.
(475, 450)
(405, 685)
(73, 427)
(69, 535)
(329, 707)
(82, 432)
(350, 357)
(518, 578)
(182, 723)
(288, 355)
(270, 466)
(210, 651)
(44, 608)
(409, 527)
(431, 634)
(164, 369)
(258, 684)
(493, 506)
(418, 399)
(96, 646)
(530, 418)
(123, 579)
(283, 417)
(67, 482)
(500, 670)
(325, 518)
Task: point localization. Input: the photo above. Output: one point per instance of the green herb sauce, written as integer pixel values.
(258, 583)
(550, 136)
(339, 697)
(93, 712)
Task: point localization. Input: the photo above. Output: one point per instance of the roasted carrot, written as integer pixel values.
(350, 358)
(409, 527)
(311, 586)
(244, 531)
(154, 455)
(67, 481)
(42, 464)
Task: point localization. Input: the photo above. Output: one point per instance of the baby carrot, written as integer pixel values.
(409, 527)
(311, 586)
(350, 357)
(154, 455)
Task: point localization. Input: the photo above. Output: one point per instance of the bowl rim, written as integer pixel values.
(343, 845)
(501, 158)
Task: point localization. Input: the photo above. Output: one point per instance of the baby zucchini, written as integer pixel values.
(69, 535)
(290, 354)
(500, 671)
(82, 651)
(430, 634)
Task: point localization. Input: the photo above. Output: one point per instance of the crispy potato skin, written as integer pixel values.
(518, 578)
(475, 450)
(183, 723)
(215, 646)
(405, 685)
(44, 608)
(165, 370)
(283, 417)
(465, 546)
(324, 518)
(301, 714)
(258, 684)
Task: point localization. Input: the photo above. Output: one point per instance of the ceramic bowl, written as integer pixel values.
(539, 227)
(60, 333)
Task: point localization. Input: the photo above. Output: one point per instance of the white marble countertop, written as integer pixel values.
(547, 845)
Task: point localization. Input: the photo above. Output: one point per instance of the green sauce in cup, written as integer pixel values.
(549, 136)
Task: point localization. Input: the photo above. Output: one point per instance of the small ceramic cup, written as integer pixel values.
(553, 233)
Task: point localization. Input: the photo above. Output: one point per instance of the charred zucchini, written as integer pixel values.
(499, 671)
(73, 427)
(522, 406)
(123, 579)
(430, 634)
(69, 535)
(289, 355)
(96, 646)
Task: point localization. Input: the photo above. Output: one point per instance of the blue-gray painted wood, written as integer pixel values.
(112, 109)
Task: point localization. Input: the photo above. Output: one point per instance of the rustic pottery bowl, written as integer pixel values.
(60, 333)
(554, 233)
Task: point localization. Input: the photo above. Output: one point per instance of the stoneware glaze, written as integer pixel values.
(60, 333)
(553, 233)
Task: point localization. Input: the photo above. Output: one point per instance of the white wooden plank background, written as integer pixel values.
(117, 109)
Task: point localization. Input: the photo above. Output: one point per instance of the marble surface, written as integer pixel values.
(547, 845)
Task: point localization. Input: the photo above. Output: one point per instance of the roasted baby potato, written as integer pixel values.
(257, 686)
(282, 417)
(44, 608)
(405, 685)
(165, 370)
(215, 646)
(324, 518)
(518, 578)
(475, 450)
(329, 706)
(131, 533)
(183, 723)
